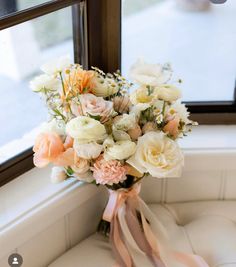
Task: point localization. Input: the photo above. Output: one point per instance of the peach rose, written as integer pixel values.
(66, 158)
(108, 172)
(96, 106)
(172, 127)
(68, 142)
(121, 104)
(48, 146)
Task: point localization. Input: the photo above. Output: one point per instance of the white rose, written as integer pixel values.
(119, 150)
(149, 74)
(86, 129)
(158, 155)
(125, 122)
(87, 150)
(54, 126)
(57, 65)
(104, 86)
(45, 81)
(168, 92)
(58, 175)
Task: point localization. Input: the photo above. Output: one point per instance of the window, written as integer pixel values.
(111, 34)
(197, 37)
(32, 32)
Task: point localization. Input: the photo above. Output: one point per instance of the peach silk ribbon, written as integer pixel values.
(139, 228)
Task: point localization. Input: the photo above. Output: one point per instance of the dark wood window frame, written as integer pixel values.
(97, 42)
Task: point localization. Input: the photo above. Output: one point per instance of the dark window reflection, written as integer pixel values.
(7, 6)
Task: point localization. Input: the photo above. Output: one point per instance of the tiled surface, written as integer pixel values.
(48, 245)
(194, 186)
(89, 213)
(230, 185)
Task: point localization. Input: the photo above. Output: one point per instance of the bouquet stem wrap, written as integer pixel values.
(138, 239)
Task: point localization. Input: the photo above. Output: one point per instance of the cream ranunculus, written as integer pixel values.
(54, 126)
(158, 155)
(168, 92)
(45, 81)
(150, 74)
(143, 95)
(56, 65)
(124, 122)
(87, 150)
(104, 86)
(119, 150)
(86, 129)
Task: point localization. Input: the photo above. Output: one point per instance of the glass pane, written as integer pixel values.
(23, 49)
(198, 38)
(11, 6)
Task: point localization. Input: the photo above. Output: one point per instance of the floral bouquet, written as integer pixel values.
(101, 133)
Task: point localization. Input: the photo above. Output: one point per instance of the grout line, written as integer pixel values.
(222, 185)
(67, 232)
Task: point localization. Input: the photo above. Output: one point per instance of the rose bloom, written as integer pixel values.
(150, 74)
(168, 92)
(86, 129)
(135, 132)
(96, 106)
(104, 86)
(158, 155)
(80, 166)
(48, 146)
(108, 172)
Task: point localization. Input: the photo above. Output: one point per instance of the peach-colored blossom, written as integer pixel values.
(121, 104)
(66, 158)
(96, 106)
(68, 142)
(108, 172)
(78, 80)
(172, 127)
(135, 132)
(48, 146)
(149, 127)
(80, 165)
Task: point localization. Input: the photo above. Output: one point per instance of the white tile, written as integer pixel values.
(230, 187)
(193, 186)
(148, 193)
(84, 220)
(44, 248)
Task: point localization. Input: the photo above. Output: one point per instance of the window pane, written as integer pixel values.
(23, 49)
(11, 6)
(198, 38)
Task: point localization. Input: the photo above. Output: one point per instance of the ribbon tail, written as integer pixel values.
(190, 260)
(119, 247)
